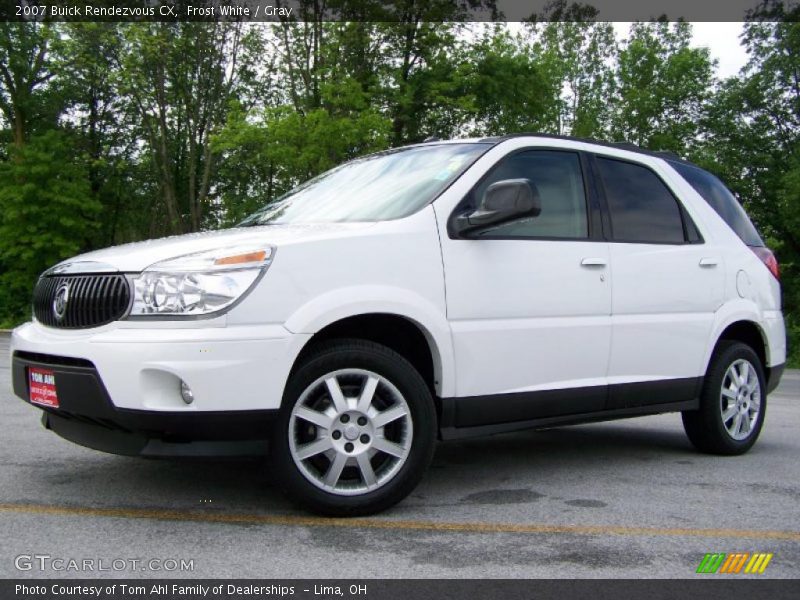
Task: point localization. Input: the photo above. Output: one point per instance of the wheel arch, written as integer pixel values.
(747, 331)
(406, 337)
(400, 319)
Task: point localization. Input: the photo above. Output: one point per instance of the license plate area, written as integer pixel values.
(42, 387)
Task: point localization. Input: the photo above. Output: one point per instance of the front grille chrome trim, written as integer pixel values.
(80, 267)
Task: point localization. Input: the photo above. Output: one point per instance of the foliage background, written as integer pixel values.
(114, 132)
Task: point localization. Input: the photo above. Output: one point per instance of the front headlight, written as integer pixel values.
(199, 284)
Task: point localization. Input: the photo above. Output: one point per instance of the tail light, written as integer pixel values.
(768, 258)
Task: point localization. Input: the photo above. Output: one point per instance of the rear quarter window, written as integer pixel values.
(721, 200)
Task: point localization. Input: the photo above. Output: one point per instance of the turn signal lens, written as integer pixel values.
(249, 257)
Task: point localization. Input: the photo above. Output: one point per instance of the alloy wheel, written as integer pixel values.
(350, 432)
(740, 399)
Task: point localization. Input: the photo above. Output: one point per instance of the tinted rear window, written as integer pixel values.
(642, 208)
(722, 201)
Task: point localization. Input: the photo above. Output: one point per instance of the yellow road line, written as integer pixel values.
(302, 521)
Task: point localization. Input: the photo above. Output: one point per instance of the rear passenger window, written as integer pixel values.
(642, 208)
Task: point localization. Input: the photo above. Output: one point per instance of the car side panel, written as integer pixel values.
(391, 267)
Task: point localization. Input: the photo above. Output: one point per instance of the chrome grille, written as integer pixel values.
(90, 300)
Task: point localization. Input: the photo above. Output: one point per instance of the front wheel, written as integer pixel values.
(733, 402)
(356, 432)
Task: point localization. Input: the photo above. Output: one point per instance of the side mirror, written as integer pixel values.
(503, 202)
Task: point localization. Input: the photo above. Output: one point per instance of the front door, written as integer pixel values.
(529, 302)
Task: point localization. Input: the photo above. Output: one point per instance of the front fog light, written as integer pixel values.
(186, 393)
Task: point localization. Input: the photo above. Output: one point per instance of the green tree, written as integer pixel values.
(26, 97)
(503, 86)
(178, 80)
(663, 85)
(47, 215)
(577, 56)
(88, 69)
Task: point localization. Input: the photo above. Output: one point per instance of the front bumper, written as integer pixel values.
(119, 388)
(87, 416)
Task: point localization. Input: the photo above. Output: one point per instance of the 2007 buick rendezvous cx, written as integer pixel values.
(443, 289)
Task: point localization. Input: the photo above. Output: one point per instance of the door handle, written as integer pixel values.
(708, 262)
(594, 262)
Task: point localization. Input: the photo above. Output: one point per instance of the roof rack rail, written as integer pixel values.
(624, 145)
(631, 147)
(669, 154)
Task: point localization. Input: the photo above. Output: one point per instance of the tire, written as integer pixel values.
(356, 430)
(719, 426)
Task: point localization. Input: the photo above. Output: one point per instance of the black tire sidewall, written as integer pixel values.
(719, 438)
(356, 354)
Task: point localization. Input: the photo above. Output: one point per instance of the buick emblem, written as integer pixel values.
(60, 301)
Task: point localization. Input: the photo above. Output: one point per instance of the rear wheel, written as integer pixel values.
(357, 429)
(732, 404)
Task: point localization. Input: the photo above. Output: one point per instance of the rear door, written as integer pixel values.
(668, 282)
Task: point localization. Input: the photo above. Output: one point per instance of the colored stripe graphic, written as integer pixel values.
(758, 563)
(721, 562)
(735, 562)
(711, 562)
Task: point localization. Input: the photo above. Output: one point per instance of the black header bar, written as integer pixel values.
(704, 586)
(392, 10)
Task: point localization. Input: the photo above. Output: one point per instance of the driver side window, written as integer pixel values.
(558, 179)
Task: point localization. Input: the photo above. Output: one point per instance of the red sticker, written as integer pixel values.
(43, 387)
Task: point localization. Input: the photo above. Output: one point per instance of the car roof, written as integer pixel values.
(630, 147)
(666, 155)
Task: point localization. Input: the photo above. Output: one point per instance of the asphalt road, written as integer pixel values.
(613, 500)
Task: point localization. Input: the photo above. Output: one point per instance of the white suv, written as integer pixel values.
(446, 289)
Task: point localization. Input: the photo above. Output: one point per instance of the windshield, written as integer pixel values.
(384, 186)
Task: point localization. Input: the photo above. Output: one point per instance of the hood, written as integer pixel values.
(140, 255)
